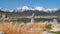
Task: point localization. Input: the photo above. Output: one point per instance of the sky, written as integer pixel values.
(13, 4)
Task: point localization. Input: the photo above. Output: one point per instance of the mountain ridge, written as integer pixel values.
(26, 8)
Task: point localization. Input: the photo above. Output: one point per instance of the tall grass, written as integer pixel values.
(28, 28)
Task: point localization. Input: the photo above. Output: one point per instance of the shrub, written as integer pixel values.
(57, 32)
(48, 26)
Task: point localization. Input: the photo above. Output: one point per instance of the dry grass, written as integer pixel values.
(29, 28)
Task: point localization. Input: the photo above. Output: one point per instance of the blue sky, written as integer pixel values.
(13, 4)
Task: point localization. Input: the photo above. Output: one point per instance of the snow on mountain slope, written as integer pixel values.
(38, 8)
(3, 9)
(45, 9)
(6, 10)
(24, 8)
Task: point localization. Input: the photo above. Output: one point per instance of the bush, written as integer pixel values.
(48, 26)
(58, 32)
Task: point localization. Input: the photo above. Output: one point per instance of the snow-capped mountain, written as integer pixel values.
(25, 8)
(6, 10)
(3, 9)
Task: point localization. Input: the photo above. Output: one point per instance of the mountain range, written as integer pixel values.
(38, 10)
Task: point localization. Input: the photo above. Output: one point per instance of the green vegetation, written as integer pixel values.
(57, 32)
(49, 26)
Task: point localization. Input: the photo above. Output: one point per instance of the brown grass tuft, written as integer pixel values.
(29, 28)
